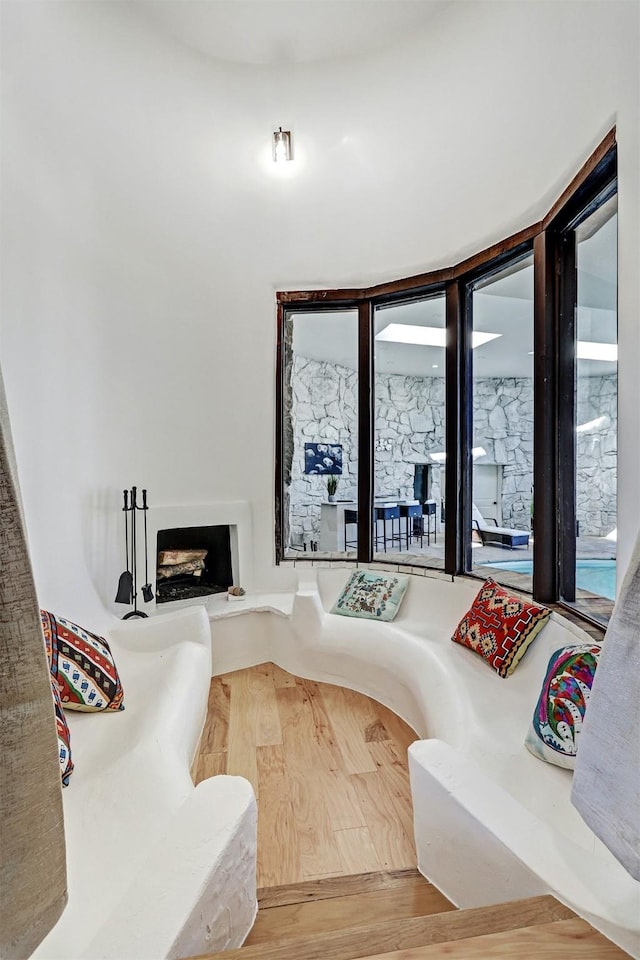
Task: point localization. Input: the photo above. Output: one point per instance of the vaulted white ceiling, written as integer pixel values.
(288, 31)
(279, 32)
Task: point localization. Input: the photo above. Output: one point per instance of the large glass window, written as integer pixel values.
(320, 432)
(596, 386)
(381, 390)
(409, 441)
(502, 447)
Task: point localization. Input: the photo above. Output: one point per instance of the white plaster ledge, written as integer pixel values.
(219, 608)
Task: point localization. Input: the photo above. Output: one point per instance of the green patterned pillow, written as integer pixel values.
(371, 595)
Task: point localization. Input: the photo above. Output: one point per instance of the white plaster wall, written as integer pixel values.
(144, 235)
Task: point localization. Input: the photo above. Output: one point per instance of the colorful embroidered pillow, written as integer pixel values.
(557, 719)
(370, 595)
(500, 627)
(82, 665)
(64, 736)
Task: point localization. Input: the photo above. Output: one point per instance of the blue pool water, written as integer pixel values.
(596, 576)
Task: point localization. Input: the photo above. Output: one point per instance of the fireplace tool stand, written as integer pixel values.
(128, 583)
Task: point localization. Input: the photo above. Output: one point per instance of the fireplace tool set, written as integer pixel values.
(128, 582)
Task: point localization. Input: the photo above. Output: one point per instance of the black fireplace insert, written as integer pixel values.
(193, 562)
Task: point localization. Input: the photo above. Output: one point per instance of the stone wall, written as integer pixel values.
(596, 455)
(410, 427)
(410, 414)
(325, 403)
(503, 427)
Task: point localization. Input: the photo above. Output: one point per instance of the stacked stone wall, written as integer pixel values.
(410, 426)
(597, 455)
(503, 428)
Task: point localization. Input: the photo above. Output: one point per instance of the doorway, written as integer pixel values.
(422, 482)
(487, 490)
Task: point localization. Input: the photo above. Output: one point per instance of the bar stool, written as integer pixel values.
(380, 513)
(412, 513)
(387, 513)
(429, 511)
(350, 516)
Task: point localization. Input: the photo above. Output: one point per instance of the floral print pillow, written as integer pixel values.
(554, 733)
(371, 595)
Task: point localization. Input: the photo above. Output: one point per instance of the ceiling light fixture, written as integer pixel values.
(282, 145)
(427, 336)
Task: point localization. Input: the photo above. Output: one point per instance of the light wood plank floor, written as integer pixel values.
(553, 941)
(329, 768)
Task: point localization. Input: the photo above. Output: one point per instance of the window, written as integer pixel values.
(596, 404)
(320, 431)
(589, 429)
(502, 441)
(473, 409)
(409, 439)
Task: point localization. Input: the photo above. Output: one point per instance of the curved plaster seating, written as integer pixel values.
(156, 867)
(492, 822)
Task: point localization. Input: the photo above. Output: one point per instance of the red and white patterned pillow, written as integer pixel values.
(500, 627)
(64, 736)
(81, 665)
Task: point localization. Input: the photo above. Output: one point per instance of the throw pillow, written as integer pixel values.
(82, 666)
(500, 627)
(371, 595)
(555, 730)
(64, 736)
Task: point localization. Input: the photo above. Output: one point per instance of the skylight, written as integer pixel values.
(592, 350)
(427, 336)
(600, 423)
(476, 453)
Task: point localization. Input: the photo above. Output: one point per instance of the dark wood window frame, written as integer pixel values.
(601, 186)
(554, 362)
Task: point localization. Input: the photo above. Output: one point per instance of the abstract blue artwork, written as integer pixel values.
(323, 458)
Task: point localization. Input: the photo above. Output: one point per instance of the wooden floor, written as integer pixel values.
(329, 768)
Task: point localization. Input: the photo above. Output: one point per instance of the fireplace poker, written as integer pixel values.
(134, 557)
(147, 592)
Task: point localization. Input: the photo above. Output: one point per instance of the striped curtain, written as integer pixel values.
(33, 880)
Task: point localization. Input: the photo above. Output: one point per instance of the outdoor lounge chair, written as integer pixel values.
(502, 536)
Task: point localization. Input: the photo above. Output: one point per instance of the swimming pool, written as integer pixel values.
(596, 576)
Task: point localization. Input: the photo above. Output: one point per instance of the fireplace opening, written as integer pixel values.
(193, 562)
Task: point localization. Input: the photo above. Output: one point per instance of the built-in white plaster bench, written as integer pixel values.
(156, 867)
(492, 822)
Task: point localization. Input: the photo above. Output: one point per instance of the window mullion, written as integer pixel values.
(366, 401)
(545, 434)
